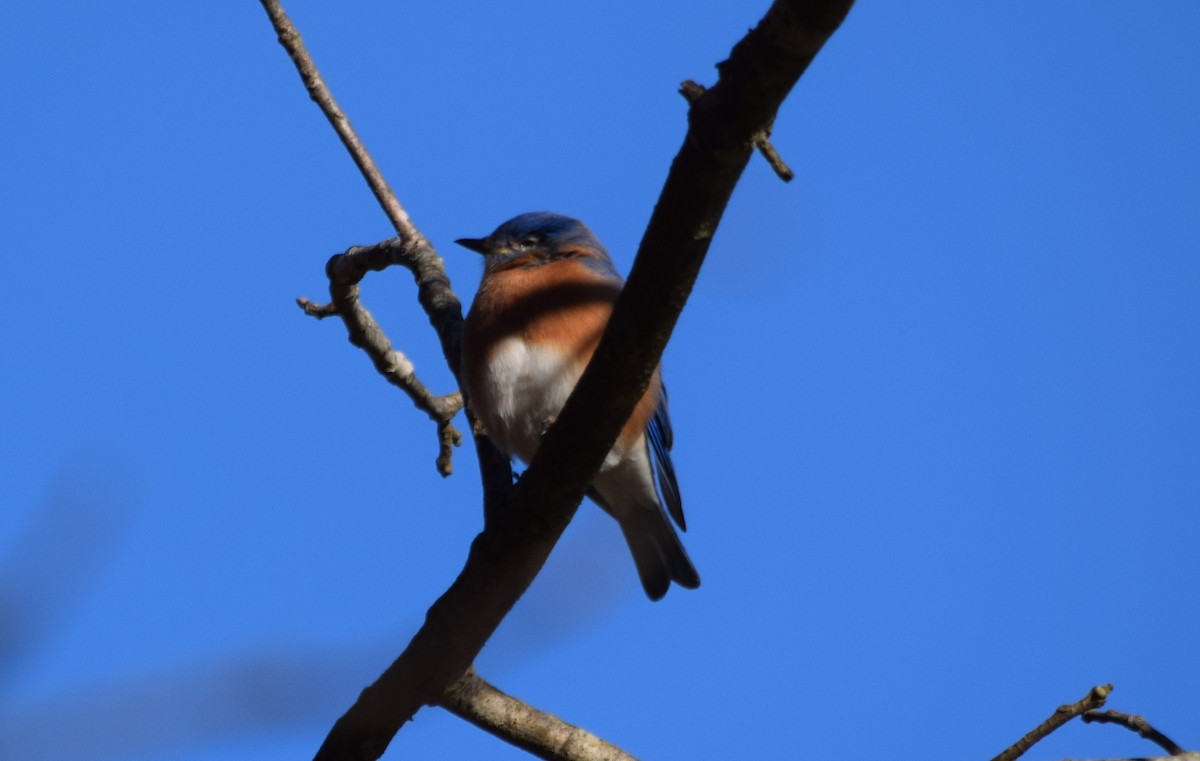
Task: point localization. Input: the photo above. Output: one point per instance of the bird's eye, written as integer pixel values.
(529, 241)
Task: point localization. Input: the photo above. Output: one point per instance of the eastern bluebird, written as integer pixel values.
(547, 291)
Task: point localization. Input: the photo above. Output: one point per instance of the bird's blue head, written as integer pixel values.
(539, 237)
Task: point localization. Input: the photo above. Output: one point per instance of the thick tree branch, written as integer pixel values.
(545, 736)
(504, 559)
(1093, 700)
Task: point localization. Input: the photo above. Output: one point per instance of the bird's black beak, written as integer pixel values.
(478, 245)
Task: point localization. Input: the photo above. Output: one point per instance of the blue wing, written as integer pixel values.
(661, 438)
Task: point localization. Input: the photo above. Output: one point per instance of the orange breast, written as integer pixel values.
(561, 304)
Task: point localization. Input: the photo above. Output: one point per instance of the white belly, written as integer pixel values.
(522, 391)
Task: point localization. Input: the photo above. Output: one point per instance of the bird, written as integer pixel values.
(547, 291)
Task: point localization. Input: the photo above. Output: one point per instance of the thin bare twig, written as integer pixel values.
(289, 38)
(412, 250)
(1136, 724)
(1093, 700)
(345, 271)
(520, 724)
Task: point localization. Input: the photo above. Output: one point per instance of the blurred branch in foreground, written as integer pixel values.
(238, 695)
(72, 532)
(187, 707)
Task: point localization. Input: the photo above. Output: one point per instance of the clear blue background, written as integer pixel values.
(936, 401)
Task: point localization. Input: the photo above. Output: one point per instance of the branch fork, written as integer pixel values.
(524, 521)
(345, 272)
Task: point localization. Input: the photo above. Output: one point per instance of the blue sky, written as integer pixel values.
(936, 401)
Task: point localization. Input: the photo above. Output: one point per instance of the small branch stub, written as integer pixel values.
(693, 91)
(448, 438)
(320, 311)
(762, 142)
